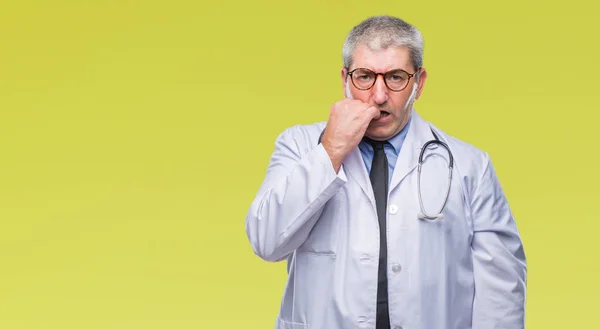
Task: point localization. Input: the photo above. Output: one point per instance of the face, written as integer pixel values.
(395, 106)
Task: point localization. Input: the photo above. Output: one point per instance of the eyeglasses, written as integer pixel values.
(395, 80)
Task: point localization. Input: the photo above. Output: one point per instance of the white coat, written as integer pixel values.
(465, 271)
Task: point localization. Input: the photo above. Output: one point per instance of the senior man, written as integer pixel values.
(353, 205)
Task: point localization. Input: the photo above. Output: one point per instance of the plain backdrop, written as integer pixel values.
(134, 135)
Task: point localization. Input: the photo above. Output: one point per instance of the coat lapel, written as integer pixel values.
(355, 167)
(408, 158)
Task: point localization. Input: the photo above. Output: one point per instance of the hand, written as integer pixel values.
(347, 124)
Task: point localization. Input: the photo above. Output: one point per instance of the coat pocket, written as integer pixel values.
(282, 324)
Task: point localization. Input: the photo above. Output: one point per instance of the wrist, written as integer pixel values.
(336, 155)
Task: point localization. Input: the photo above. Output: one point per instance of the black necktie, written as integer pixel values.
(379, 181)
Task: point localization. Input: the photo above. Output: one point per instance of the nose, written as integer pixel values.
(380, 91)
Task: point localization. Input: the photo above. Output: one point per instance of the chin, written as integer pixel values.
(382, 132)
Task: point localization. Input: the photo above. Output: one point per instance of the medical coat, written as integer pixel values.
(465, 271)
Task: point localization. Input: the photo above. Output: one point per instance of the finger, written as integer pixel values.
(373, 112)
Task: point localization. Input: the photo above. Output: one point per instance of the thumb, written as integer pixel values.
(374, 105)
(374, 112)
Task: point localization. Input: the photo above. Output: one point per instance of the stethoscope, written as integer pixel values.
(423, 214)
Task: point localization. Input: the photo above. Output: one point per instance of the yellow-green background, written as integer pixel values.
(134, 134)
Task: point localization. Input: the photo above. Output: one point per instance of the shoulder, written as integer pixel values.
(470, 155)
(300, 137)
(302, 133)
(471, 163)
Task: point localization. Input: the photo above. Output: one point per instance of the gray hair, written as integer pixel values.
(382, 32)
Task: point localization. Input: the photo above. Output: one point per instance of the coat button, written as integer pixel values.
(393, 209)
(396, 268)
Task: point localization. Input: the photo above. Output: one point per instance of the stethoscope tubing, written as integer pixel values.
(424, 214)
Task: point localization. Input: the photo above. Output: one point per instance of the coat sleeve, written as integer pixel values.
(499, 261)
(291, 197)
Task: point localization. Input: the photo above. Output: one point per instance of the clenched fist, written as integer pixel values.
(348, 121)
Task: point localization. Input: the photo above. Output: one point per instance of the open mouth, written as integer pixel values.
(384, 114)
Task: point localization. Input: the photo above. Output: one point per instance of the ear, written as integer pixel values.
(343, 73)
(422, 78)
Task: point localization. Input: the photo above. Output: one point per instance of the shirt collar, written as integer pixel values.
(399, 138)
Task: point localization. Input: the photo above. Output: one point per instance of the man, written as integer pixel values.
(347, 205)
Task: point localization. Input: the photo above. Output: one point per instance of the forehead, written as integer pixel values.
(382, 60)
